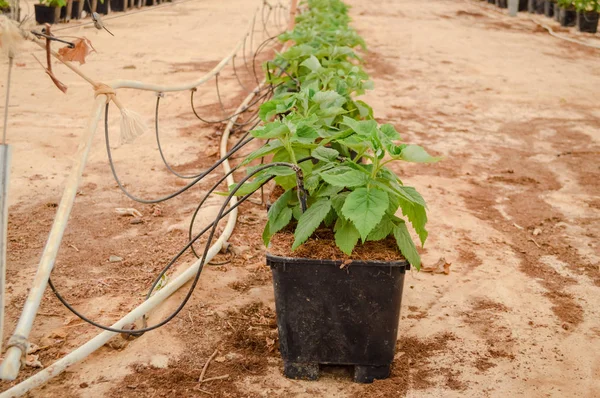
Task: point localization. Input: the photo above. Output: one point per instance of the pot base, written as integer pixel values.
(310, 371)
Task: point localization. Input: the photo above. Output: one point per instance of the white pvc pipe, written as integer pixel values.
(97, 342)
(18, 341)
(5, 154)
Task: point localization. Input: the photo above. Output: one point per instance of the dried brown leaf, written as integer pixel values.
(441, 267)
(83, 48)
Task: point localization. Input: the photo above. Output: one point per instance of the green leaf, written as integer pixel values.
(364, 128)
(364, 110)
(365, 207)
(279, 214)
(338, 202)
(328, 190)
(406, 245)
(263, 151)
(344, 177)
(310, 220)
(346, 235)
(415, 153)
(328, 99)
(382, 230)
(267, 110)
(271, 130)
(412, 195)
(312, 63)
(418, 218)
(389, 131)
(325, 154)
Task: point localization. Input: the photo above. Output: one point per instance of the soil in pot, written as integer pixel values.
(335, 311)
(567, 16)
(45, 14)
(587, 21)
(549, 8)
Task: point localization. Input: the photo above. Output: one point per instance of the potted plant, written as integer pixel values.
(587, 15)
(567, 13)
(337, 236)
(4, 7)
(48, 11)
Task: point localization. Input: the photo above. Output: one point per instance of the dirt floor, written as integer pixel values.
(514, 207)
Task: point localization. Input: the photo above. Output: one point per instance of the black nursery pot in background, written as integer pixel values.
(587, 21)
(567, 16)
(117, 5)
(549, 8)
(328, 315)
(538, 6)
(101, 8)
(45, 14)
(556, 11)
(502, 3)
(523, 5)
(492, 1)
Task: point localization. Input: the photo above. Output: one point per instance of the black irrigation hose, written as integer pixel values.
(222, 213)
(233, 114)
(258, 50)
(238, 145)
(172, 195)
(246, 89)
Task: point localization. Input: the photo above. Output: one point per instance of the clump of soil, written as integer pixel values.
(248, 341)
(413, 368)
(321, 245)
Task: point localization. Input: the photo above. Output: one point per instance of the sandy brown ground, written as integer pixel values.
(514, 207)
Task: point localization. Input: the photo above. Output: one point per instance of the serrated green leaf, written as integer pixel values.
(263, 151)
(382, 230)
(365, 207)
(272, 130)
(310, 220)
(346, 235)
(418, 218)
(266, 110)
(328, 190)
(344, 177)
(406, 245)
(389, 131)
(328, 99)
(312, 63)
(364, 110)
(338, 201)
(416, 154)
(325, 154)
(364, 128)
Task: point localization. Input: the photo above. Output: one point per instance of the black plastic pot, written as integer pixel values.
(502, 3)
(75, 10)
(539, 6)
(492, 1)
(117, 5)
(45, 14)
(587, 21)
(523, 5)
(101, 8)
(567, 16)
(328, 315)
(549, 8)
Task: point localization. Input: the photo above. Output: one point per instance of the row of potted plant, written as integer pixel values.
(337, 233)
(53, 11)
(581, 13)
